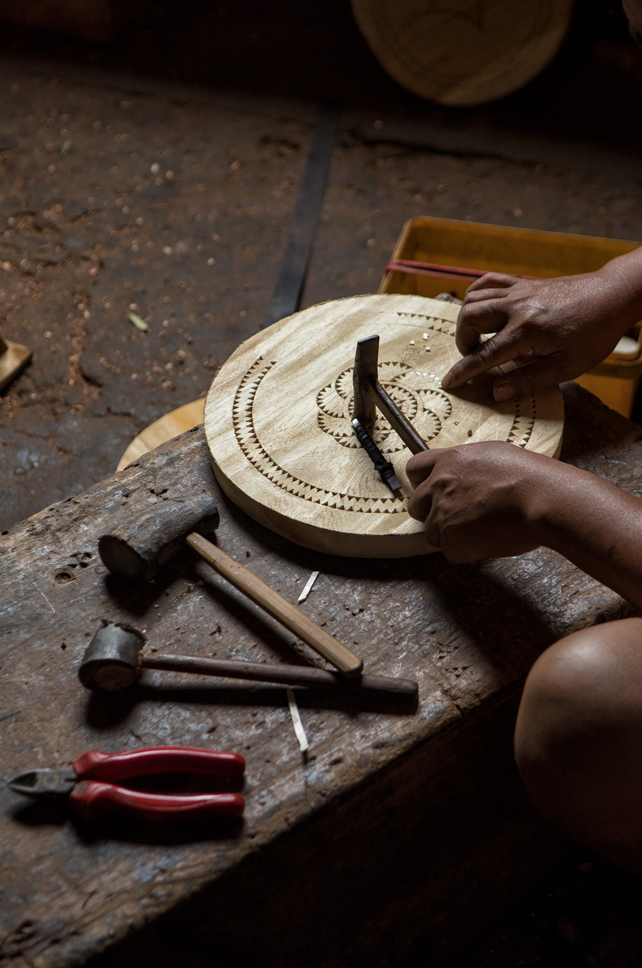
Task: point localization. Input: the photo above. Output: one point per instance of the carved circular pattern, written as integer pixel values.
(277, 420)
(425, 408)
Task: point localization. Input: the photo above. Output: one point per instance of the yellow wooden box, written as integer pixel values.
(520, 252)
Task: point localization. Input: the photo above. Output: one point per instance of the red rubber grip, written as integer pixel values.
(94, 800)
(114, 767)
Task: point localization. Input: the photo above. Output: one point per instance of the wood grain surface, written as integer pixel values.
(277, 421)
(401, 821)
(463, 54)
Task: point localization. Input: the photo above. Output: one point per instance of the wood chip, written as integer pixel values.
(308, 587)
(296, 721)
(138, 322)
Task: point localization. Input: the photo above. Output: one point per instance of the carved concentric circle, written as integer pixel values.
(426, 408)
(277, 421)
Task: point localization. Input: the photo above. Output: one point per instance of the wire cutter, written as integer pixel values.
(92, 783)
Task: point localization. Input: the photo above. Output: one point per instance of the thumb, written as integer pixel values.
(420, 466)
(525, 380)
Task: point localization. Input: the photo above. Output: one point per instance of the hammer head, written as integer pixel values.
(145, 542)
(363, 379)
(111, 660)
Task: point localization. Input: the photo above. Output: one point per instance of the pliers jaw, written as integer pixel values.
(44, 783)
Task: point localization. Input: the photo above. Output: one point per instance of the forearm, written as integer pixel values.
(598, 527)
(625, 272)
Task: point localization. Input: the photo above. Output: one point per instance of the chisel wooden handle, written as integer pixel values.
(288, 614)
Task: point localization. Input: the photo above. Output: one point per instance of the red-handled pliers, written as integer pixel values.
(92, 783)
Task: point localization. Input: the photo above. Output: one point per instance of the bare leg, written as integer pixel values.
(578, 739)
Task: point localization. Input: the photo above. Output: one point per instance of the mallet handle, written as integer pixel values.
(289, 675)
(283, 610)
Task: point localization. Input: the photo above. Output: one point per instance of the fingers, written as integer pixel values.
(546, 372)
(432, 532)
(480, 316)
(420, 502)
(492, 280)
(420, 466)
(419, 469)
(502, 348)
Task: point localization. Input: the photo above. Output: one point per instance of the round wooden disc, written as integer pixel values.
(463, 52)
(169, 425)
(277, 421)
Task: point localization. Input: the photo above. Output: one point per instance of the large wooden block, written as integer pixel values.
(402, 822)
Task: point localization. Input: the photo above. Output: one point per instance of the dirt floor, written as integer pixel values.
(158, 175)
(125, 193)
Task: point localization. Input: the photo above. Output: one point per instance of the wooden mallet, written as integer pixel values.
(369, 394)
(113, 661)
(137, 549)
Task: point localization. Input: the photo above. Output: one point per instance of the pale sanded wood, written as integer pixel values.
(13, 358)
(463, 52)
(168, 426)
(277, 421)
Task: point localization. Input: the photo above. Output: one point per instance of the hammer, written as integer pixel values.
(137, 549)
(369, 394)
(113, 660)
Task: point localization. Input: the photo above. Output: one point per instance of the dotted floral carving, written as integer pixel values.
(426, 406)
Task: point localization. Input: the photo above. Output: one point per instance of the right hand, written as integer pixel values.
(555, 329)
(482, 500)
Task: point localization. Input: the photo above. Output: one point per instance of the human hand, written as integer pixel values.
(555, 329)
(485, 500)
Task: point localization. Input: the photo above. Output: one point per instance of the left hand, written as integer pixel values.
(485, 500)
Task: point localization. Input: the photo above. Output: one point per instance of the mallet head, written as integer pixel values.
(111, 661)
(145, 542)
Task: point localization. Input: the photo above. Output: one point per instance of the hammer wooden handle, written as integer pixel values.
(283, 610)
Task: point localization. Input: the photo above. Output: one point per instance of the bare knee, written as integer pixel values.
(578, 739)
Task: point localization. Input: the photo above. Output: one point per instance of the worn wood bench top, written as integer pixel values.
(382, 787)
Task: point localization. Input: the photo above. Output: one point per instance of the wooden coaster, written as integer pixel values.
(277, 421)
(463, 52)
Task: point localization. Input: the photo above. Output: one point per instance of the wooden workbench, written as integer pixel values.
(403, 823)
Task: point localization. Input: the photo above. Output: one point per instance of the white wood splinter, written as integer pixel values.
(13, 358)
(277, 421)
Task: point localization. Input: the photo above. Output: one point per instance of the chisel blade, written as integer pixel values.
(384, 467)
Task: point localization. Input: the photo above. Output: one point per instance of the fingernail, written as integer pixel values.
(446, 381)
(502, 392)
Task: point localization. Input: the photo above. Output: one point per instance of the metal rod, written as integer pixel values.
(397, 420)
(290, 675)
(294, 268)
